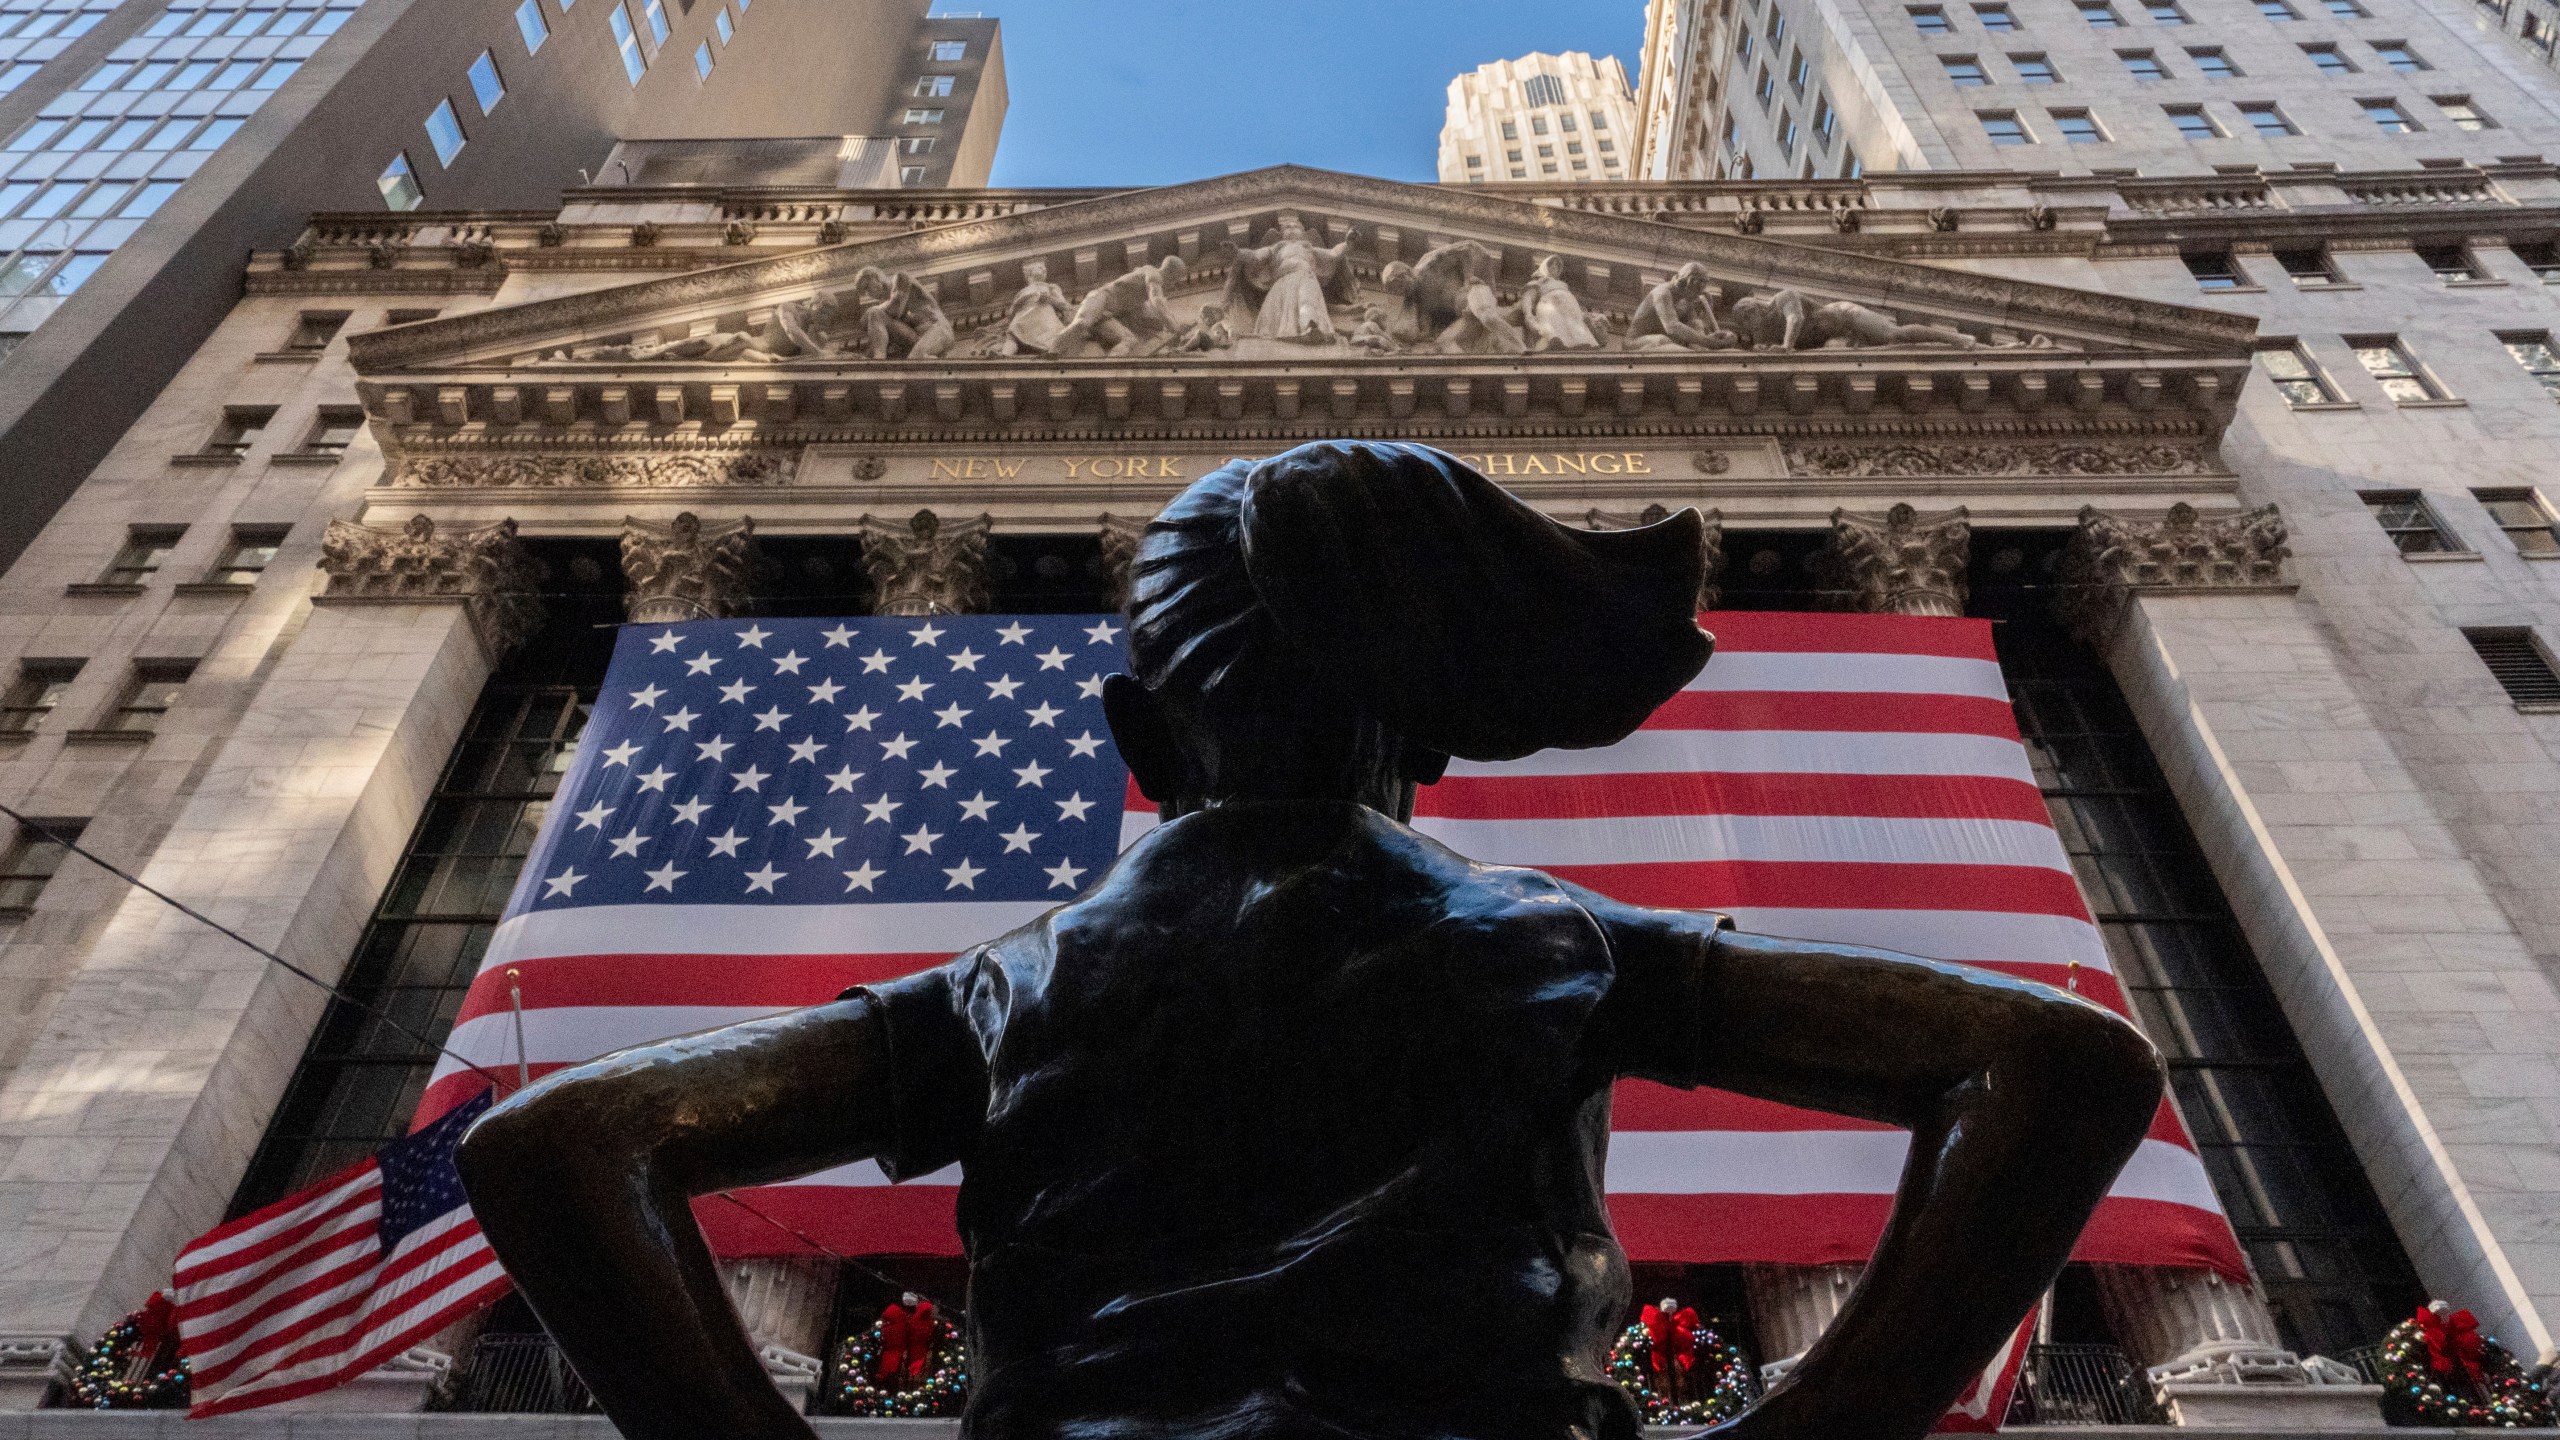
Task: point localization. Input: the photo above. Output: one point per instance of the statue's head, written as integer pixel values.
(1292, 228)
(925, 525)
(1212, 313)
(1550, 267)
(1035, 272)
(1690, 279)
(1337, 622)
(1174, 269)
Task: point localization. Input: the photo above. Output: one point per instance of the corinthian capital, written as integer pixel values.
(1905, 563)
(926, 566)
(687, 570)
(1712, 543)
(1120, 536)
(484, 569)
(2110, 559)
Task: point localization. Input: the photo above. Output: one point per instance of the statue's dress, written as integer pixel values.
(1294, 1127)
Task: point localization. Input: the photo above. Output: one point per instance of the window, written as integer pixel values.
(627, 40)
(333, 430)
(1964, 69)
(933, 87)
(2398, 56)
(2451, 262)
(1767, 90)
(247, 554)
(316, 329)
(241, 425)
(486, 87)
(274, 76)
(2100, 15)
(1515, 157)
(702, 60)
(923, 145)
(2297, 379)
(1599, 121)
(1995, 17)
(2142, 65)
(145, 547)
(2214, 269)
(408, 317)
(2535, 354)
(1543, 90)
(1851, 167)
(76, 271)
(1743, 47)
(2388, 115)
(655, 12)
(399, 185)
(2268, 121)
(35, 693)
(1786, 134)
(727, 29)
(2523, 513)
(35, 853)
(148, 693)
(2004, 127)
(444, 129)
(934, 117)
(2308, 266)
(2463, 114)
(2389, 362)
(1826, 120)
(1930, 20)
(950, 52)
(2329, 60)
(1538, 124)
(2542, 257)
(914, 174)
(2078, 127)
(2277, 10)
(1777, 30)
(1565, 123)
(2166, 13)
(214, 133)
(1607, 146)
(2410, 521)
(2194, 124)
(2519, 665)
(530, 24)
(2348, 10)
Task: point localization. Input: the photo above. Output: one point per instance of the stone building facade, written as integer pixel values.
(2274, 577)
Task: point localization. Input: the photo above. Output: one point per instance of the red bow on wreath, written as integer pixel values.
(2452, 1339)
(155, 1326)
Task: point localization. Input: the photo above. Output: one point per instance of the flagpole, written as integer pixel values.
(515, 997)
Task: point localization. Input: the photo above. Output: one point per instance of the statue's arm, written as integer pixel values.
(582, 1184)
(2022, 1102)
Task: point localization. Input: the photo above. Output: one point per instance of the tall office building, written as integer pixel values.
(1540, 117)
(149, 144)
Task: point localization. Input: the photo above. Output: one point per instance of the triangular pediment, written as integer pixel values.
(1374, 272)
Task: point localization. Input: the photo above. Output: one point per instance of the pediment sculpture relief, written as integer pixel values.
(1282, 299)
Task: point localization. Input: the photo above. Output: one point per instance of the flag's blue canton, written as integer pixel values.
(852, 761)
(419, 1181)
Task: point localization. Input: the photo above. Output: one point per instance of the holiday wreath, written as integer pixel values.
(941, 1389)
(2438, 1369)
(1718, 1377)
(135, 1365)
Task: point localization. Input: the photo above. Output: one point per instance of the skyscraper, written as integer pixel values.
(150, 143)
(1540, 117)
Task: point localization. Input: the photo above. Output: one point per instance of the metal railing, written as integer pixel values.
(520, 1375)
(2082, 1385)
(2365, 1360)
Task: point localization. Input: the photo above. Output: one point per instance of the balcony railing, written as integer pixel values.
(2083, 1385)
(520, 1375)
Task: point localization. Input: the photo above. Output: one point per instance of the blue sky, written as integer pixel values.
(1147, 92)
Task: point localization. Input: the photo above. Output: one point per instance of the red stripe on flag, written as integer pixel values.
(1896, 797)
(1838, 885)
(1836, 712)
(1842, 1230)
(1641, 1105)
(572, 982)
(1799, 633)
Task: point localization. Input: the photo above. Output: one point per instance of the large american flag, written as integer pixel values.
(764, 813)
(329, 1282)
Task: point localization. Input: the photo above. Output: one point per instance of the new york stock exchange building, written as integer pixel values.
(312, 653)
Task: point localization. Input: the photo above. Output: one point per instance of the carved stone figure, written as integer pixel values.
(830, 323)
(1040, 310)
(1679, 314)
(1128, 314)
(1293, 1084)
(720, 345)
(908, 324)
(1210, 332)
(486, 568)
(2111, 559)
(1371, 335)
(1781, 320)
(1289, 282)
(1906, 563)
(1710, 543)
(1552, 313)
(926, 567)
(1449, 302)
(686, 570)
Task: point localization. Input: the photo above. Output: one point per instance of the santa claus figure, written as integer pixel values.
(1672, 1329)
(907, 1332)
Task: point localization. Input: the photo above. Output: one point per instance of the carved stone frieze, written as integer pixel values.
(1712, 543)
(2110, 559)
(1120, 536)
(1828, 460)
(647, 470)
(1904, 563)
(925, 566)
(687, 570)
(486, 569)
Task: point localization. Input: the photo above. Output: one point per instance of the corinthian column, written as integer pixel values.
(483, 569)
(2112, 559)
(687, 570)
(786, 1303)
(1906, 563)
(927, 566)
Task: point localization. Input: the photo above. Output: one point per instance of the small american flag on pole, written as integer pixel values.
(327, 1283)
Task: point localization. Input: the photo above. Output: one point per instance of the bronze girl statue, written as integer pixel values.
(1292, 1084)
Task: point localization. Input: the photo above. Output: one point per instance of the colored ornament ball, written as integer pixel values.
(144, 1341)
(942, 1389)
(2437, 1369)
(1725, 1383)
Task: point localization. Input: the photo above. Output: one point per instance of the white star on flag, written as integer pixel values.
(1064, 873)
(750, 778)
(1074, 806)
(879, 811)
(1019, 838)
(806, 750)
(824, 692)
(1031, 775)
(789, 663)
(594, 816)
(657, 779)
(977, 807)
(1085, 746)
(727, 845)
(700, 664)
(843, 780)
(664, 877)
(690, 812)
(714, 749)
(1015, 633)
(860, 719)
(753, 637)
(682, 720)
(628, 844)
(964, 876)
(920, 841)
(787, 813)
(876, 663)
(621, 754)
(966, 659)
(1002, 688)
(564, 883)
(841, 635)
(1101, 632)
(646, 697)
(862, 876)
(663, 643)
(763, 879)
(1044, 713)
(924, 635)
(771, 719)
(914, 690)
(822, 843)
(736, 692)
(937, 776)
(1054, 658)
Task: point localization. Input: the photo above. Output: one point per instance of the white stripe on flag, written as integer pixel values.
(1968, 935)
(1826, 672)
(575, 1034)
(195, 1262)
(1776, 752)
(904, 929)
(1817, 839)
